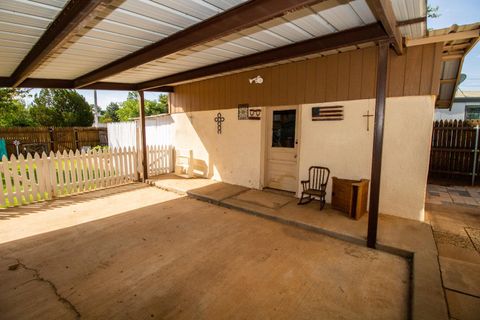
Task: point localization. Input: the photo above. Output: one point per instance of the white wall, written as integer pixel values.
(122, 134)
(457, 112)
(233, 156)
(158, 130)
(346, 148)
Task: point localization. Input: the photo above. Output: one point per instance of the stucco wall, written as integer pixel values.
(233, 156)
(346, 148)
(406, 156)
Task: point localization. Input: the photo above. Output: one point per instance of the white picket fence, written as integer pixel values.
(31, 179)
(159, 160)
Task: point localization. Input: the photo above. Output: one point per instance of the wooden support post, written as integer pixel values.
(377, 143)
(75, 135)
(52, 139)
(141, 106)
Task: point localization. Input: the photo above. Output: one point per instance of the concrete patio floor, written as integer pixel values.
(137, 252)
(403, 237)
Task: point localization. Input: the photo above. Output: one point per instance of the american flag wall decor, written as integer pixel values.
(327, 113)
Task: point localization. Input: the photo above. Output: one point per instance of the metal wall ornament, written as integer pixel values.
(245, 112)
(327, 113)
(254, 114)
(256, 80)
(367, 116)
(219, 119)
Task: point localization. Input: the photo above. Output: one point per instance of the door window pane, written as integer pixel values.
(283, 129)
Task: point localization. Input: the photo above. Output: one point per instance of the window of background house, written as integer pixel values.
(472, 112)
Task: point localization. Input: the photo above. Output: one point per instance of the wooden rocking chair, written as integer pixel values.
(315, 186)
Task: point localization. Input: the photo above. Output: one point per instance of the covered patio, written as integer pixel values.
(252, 85)
(156, 254)
(271, 57)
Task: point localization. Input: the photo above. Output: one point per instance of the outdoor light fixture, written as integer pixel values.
(257, 80)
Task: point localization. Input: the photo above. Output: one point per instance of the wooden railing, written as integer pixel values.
(455, 150)
(25, 180)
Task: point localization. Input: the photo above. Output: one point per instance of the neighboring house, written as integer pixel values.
(466, 106)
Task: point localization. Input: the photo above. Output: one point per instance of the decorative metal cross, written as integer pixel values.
(368, 115)
(219, 119)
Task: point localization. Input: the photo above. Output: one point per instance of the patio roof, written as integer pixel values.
(119, 44)
(457, 42)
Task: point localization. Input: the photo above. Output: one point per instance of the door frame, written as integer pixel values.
(265, 141)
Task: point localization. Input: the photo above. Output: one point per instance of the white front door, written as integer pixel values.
(282, 148)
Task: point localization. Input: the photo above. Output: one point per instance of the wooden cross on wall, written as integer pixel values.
(368, 115)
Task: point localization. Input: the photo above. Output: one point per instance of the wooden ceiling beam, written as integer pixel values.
(457, 56)
(373, 32)
(443, 38)
(76, 15)
(411, 21)
(69, 84)
(383, 12)
(443, 103)
(456, 47)
(243, 16)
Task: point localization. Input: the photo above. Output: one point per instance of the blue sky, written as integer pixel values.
(451, 11)
(461, 12)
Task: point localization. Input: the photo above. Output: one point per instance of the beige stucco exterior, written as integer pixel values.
(345, 147)
(233, 156)
(237, 155)
(406, 155)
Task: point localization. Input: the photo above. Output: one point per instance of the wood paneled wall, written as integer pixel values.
(345, 76)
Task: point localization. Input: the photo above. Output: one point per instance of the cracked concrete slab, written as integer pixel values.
(23, 283)
(265, 199)
(183, 258)
(463, 306)
(461, 276)
(217, 191)
(474, 234)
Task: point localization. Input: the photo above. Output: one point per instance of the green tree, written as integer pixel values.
(129, 108)
(110, 114)
(61, 108)
(13, 112)
(432, 12)
(153, 107)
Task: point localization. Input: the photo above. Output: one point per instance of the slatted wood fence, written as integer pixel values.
(25, 180)
(159, 160)
(453, 150)
(46, 139)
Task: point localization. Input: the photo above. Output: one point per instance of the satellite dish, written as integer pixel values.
(463, 76)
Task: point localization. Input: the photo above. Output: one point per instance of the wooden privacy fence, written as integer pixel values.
(47, 139)
(34, 178)
(455, 150)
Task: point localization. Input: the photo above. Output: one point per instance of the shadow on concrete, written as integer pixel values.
(64, 201)
(185, 258)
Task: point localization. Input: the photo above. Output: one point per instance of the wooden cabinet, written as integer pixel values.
(350, 196)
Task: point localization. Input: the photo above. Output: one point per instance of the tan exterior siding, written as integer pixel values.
(345, 76)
